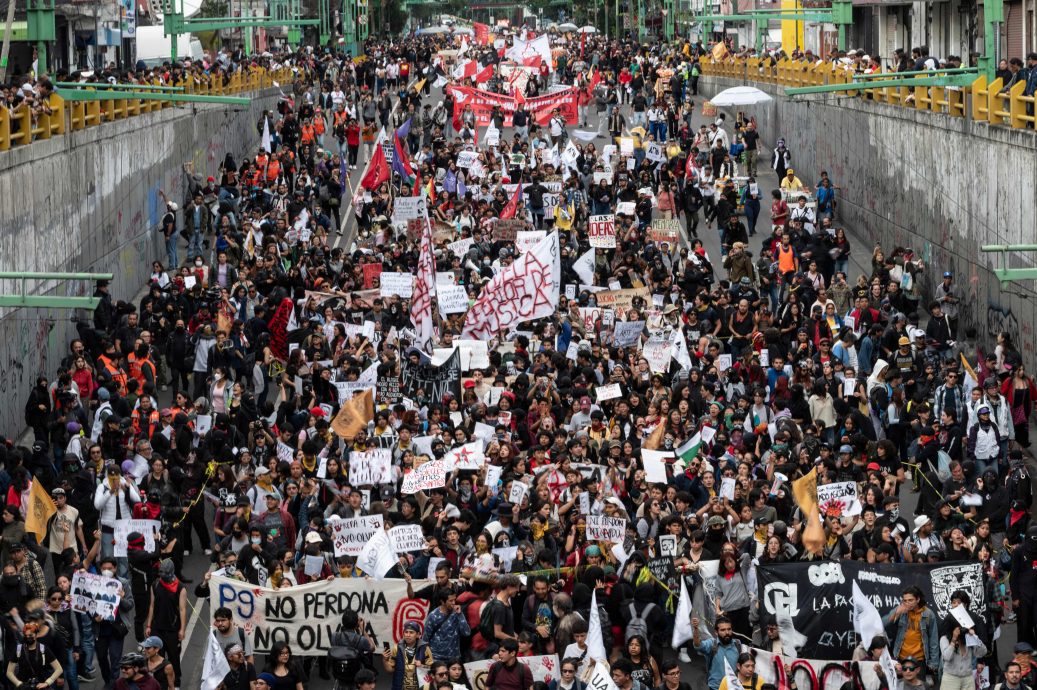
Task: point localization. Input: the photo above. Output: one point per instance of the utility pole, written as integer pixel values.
(6, 51)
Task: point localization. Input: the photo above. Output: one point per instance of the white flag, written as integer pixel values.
(867, 623)
(682, 630)
(424, 290)
(601, 677)
(680, 350)
(214, 666)
(732, 678)
(268, 145)
(525, 291)
(584, 267)
(377, 558)
(595, 643)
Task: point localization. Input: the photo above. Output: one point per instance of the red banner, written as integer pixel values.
(482, 33)
(539, 108)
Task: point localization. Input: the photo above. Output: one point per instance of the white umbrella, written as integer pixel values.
(740, 95)
(588, 30)
(568, 26)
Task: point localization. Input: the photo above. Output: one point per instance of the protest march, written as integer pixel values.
(484, 368)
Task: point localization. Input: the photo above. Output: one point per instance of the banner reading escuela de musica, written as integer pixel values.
(307, 616)
(539, 108)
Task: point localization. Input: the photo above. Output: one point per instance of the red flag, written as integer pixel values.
(520, 98)
(484, 75)
(595, 79)
(533, 61)
(482, 33)
(583, 39)
(378, 172)
(511, 208)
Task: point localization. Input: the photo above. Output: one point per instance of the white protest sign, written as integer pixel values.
(467, 457)
(658, 352)
(608, 392)
(525, 240)
(668, 545)
(458, 248)
(849, 384)
(407, 538)
(453, 299)
(518, 492)
(202, 424)
(628, 333)
(127, 526)
(839, 498)
(431, 475)
(399, 284)
(601, 231)
(466, 158)
(727, 488)
(371, 467)
(408, 208)
(626, 208)
(602, 528)
(626, 146)
(493, 474)
(723, 361)
(349, 535)
(654, 152)
(95, 595)
(655, 465)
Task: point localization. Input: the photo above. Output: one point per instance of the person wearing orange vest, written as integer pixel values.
(788, 262)
(109, 370)
(273, 169)
(307, 133)
(319, 126)
(141, 367)
(145, 419)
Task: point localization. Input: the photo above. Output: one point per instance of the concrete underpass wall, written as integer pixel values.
(941, 185)
(88, 202)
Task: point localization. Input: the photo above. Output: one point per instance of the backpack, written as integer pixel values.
(638, 624)
(486, 628)
(346, 658)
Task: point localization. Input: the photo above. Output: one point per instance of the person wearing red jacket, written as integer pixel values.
(353, 141)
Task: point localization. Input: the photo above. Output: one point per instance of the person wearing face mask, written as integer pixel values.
(167, 613)
(110, 635)
(36, 666)
(142, 568)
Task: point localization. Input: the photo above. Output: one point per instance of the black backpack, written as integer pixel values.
(347, 658)
(486, 628)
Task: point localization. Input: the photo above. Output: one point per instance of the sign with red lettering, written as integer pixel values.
(539, 108)
(601, 231)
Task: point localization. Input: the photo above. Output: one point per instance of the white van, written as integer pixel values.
(154, 47)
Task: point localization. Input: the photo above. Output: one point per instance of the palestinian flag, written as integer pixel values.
(689, 450)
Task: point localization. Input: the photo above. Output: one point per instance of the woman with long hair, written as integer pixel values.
(1020, 392)
(287, 673)
(645, 669)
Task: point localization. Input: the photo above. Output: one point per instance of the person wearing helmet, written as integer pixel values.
(35, 664)
(134, 674)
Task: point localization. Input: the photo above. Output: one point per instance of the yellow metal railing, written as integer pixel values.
(20, 127)
(980, 101)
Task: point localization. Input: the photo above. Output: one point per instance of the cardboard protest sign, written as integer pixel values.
(95, 595)
(602, 528)
(348, 535)
(601, 231)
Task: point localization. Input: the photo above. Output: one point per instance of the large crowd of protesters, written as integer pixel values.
(207, 402)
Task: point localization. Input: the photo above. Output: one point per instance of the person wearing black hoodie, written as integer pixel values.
(644, 605)
(1022, 580)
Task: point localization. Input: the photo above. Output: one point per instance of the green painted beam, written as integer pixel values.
(1004, 248)
(80, 95)
(934, 72)
(117, 87)
(963, 80)
(49, 302)
(195, 25)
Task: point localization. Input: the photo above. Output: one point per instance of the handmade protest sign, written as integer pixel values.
(95, 595)
(407, 538)
(601, 231)
(839, 499)
(370, 467)
(127, 526)
(602, 528)
(307, 616)
(431, 475)
(399, 284)
(348, 535)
